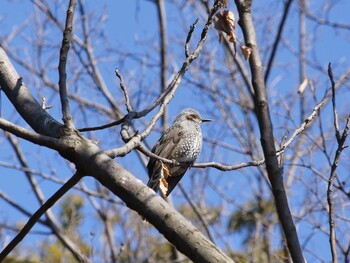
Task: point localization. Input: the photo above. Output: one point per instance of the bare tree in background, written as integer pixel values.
(271, 184)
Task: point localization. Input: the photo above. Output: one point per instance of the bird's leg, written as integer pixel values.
(163, 184)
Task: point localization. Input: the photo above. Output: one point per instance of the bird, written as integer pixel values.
(181, 142)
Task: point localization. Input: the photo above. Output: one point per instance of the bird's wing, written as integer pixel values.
(165, 147)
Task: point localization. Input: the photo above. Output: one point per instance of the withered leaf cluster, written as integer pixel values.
(226, 23)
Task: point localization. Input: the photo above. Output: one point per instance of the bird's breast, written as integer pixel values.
(189, 147)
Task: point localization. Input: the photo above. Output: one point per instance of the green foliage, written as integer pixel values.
(71, 211)
(255, 221)
(246, 218)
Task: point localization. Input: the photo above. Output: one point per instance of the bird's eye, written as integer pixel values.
(191, 117)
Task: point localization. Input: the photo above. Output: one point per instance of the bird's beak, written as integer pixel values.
(206, 120)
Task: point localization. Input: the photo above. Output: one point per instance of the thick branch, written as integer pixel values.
(181, 233)
(266, 132)
(30, 110)
(33, 137)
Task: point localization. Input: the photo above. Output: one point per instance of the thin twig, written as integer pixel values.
(19, 207)
(216, 165)
(340, 140)
(223, 167)
(55, 179)
(341, 147)
(95, 128)
(125, 92)
(50, 217)
(163, 99)
(321, 21)
(92, 66)
(305, 124)
(67, 35)
(196, 209)
(277, 39)
(335, 113)
(36, 216)
(189, 36)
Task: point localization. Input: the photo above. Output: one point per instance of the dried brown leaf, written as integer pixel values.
(223, 3)
(226, 23)
(246, 51)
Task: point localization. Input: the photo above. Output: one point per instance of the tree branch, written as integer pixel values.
(266, 132)
(124, 90)
(33, 137)
(340, 140)
(30, 110)
(163, 53)
(277, 39)
(67, 35)
(92, 63)
(137, 196)
(335, 113)
(163, 99)
(51, 220)
(36, 216)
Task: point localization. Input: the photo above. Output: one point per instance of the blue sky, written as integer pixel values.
(132, 24)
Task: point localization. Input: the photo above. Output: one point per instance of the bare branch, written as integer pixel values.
(335, 113)
(267, 138)
(304, 125)
(19, 208)
(341, 141)
(198, 213)
(163, 99)
(105, 126)
(125, 92)
(36, 216)
(163, 53)
(95, 71)
(51, 221)
(55, 179)
(30, 110)
(332, 238)
(323, 21)
(277, 39)
(188, 39)
(67, 35)
(29, 135)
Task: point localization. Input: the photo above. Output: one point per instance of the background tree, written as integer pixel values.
(280, 115)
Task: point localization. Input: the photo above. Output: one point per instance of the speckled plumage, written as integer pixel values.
(182, 142)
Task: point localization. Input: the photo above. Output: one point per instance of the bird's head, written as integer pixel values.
(190, 115)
